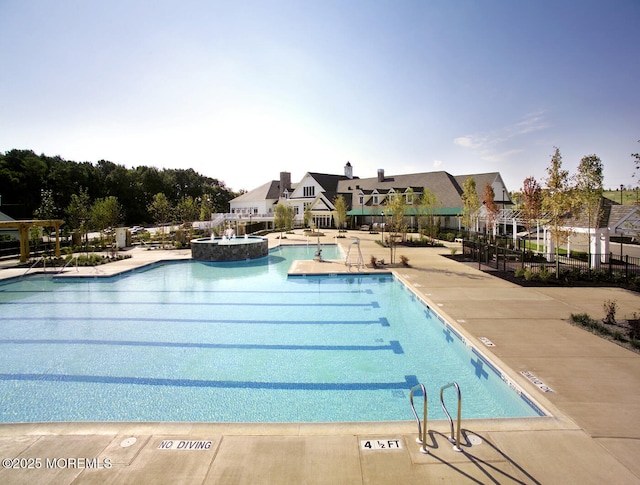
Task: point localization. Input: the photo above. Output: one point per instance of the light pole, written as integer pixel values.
(621, 234)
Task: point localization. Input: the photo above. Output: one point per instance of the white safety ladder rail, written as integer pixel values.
(69, 262)
(456, 440)
(422, 429)
(359, 262)
(44, 266)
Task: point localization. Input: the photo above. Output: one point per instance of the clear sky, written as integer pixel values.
(242, 90)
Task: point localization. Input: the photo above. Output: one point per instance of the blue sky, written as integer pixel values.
(242, 90)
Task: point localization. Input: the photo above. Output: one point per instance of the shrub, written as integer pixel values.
(404, 260)
(528, 274)
(519, 273)
(544, 274)
(374, 261)
(581, 319)
(618, 335)
(453, 251)
(610, 308)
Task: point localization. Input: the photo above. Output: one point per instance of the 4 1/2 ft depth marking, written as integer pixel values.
(393, 444)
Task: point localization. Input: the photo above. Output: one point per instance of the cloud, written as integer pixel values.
(498, 145)
(499, 157)
(467, 142)
(437, 163)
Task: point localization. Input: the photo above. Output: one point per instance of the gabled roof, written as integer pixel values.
(329, 183)
(482, 179)
(611, 215)
(441, 184)
(268, 191)
(5, 217)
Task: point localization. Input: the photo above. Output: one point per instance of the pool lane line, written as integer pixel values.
(380, 321)
(154, 381)
(394, 345)
(373, 304)
(126, 290)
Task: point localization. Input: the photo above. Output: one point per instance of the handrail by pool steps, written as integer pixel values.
(456, 441)
(44, 266)
(422, 426)
(422, 430)
(68, 262)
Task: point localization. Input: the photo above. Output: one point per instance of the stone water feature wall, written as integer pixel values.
(237, 249)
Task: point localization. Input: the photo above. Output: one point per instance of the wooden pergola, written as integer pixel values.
(23, 227)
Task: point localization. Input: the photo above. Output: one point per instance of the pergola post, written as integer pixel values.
(23, 232)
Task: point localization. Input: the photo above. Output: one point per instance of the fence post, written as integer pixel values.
(626, 268)
(504, 261)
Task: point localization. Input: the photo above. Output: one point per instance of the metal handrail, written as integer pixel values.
(34, 264)
(422, 430)
(456, 441)
(67, 264)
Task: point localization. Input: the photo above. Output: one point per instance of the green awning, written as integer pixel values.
(411, 211)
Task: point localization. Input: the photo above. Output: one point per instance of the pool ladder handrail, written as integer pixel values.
(69, 262)
(456, 440)
(422, 427)
(44, 265)
(422, 430)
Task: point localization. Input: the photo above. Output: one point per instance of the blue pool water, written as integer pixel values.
(232, 342)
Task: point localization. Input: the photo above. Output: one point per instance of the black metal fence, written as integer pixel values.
(503, 258)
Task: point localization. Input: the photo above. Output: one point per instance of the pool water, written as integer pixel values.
(232, 342)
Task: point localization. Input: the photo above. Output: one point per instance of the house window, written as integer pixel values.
(361, 199)
(375, 199)
(309, 191)
(409, 198)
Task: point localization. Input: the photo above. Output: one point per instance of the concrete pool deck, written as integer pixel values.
(593, 435)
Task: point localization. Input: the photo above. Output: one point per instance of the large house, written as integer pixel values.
(366, 198)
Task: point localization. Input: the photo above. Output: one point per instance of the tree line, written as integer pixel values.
(105, 193)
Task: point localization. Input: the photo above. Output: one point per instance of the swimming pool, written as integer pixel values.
(232, 342)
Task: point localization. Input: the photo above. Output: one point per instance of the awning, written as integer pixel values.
(411, 211)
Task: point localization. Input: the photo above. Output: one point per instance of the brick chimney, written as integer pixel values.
(381, 175)
(285, 182)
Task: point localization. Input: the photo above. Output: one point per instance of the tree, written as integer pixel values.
(47, 210)
(307, 216)
(161, 210)
(106, 213)
(470, 202)
(426, 217)
(23, 175)
(396, 222)
(588, 193)
(489, 202)
(186, 212)
(531, 202)
(340, 216)
(78, 212)
(556, 201)
(283, 215)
